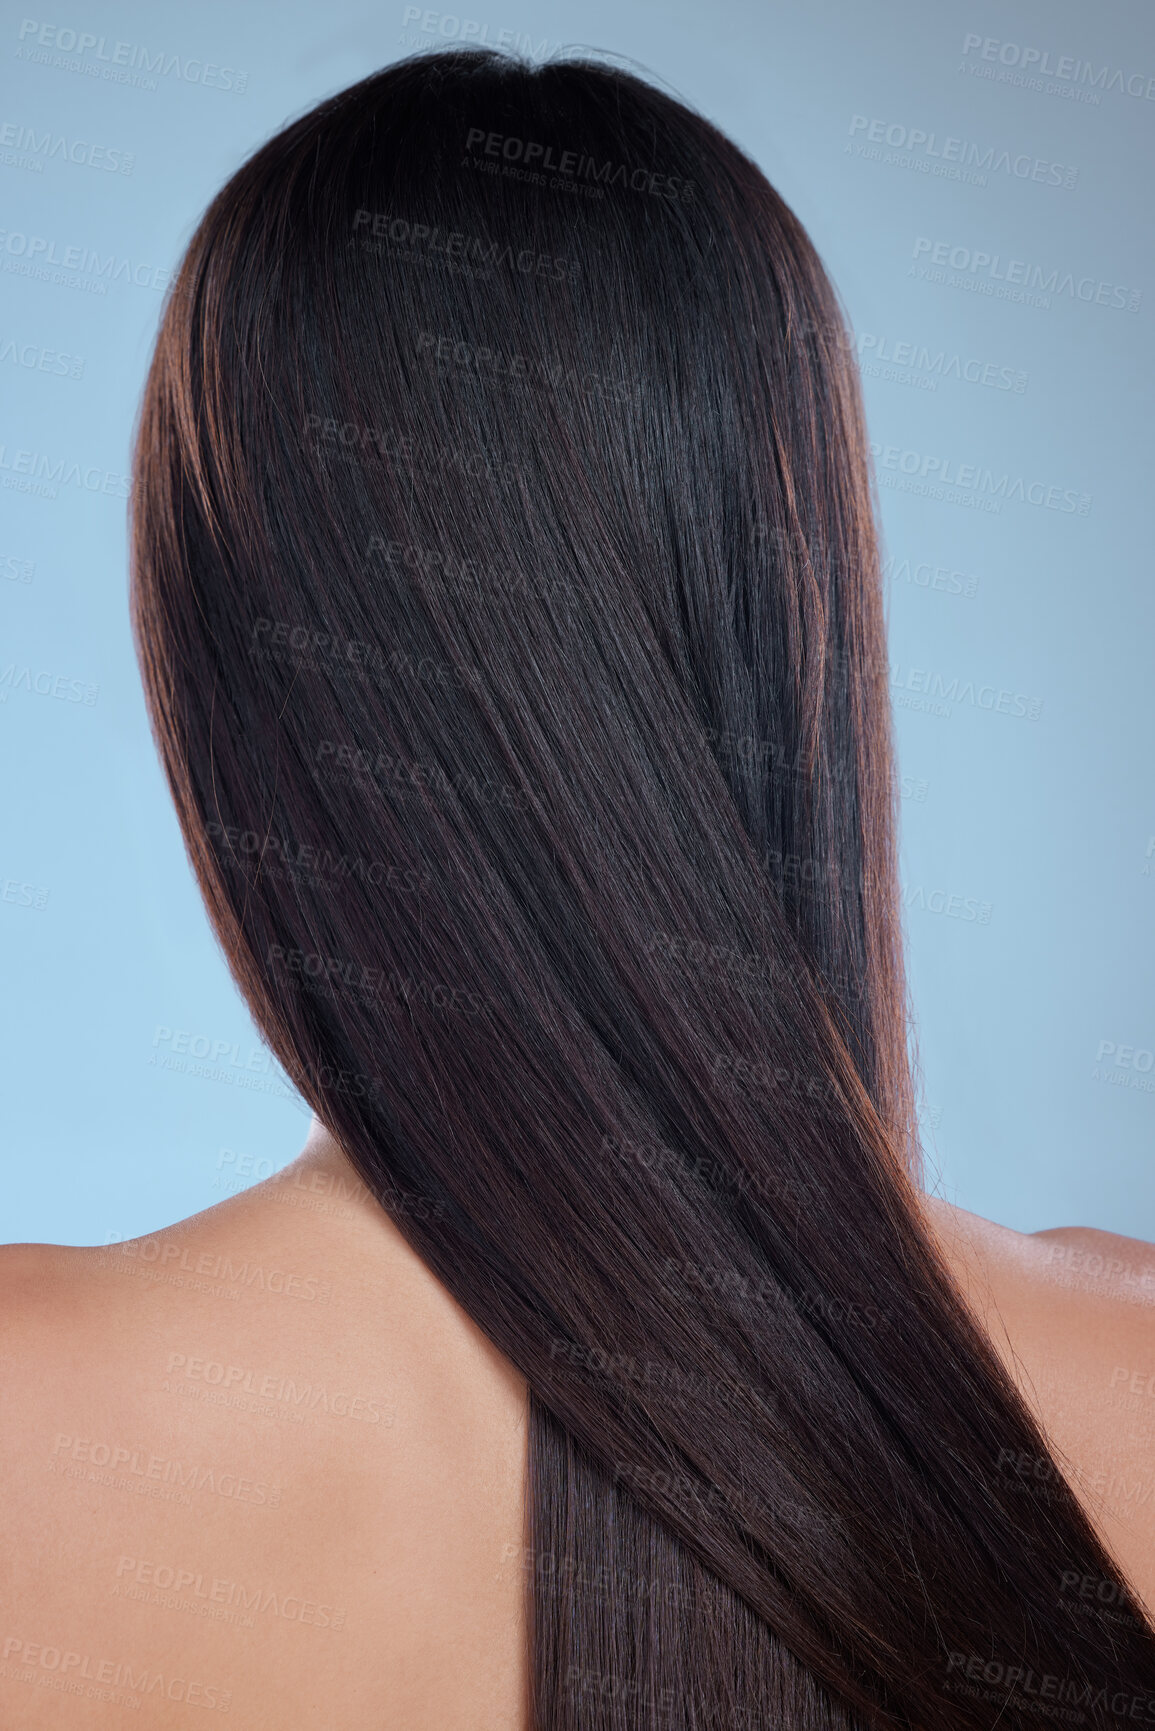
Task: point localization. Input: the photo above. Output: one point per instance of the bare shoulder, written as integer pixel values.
(1105, 1265)
(1109, 1263)
(1071, 1311)
(257, 1462)
(1074, 1303)
(33, 1278)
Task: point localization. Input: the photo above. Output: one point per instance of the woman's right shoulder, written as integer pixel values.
(1090, 1259)
(1077, 1299)
(1102, 1274)
(1071, 1312)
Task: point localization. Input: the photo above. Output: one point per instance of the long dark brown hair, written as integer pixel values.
(507, 597)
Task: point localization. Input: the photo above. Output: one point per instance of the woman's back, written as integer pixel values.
(547, 821)
(262, 1463)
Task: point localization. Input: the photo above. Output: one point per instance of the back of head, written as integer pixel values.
(507, 597)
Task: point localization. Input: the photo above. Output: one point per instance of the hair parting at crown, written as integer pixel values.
(507, 598)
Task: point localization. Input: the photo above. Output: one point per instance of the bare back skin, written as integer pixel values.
(260, 1464)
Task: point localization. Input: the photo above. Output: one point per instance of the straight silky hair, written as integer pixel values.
(507, 597)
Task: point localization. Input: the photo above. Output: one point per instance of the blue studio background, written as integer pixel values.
(976, 178)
